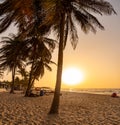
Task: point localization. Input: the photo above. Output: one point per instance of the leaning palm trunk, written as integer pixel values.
(56, 99)
(27, 93)
(13, 81)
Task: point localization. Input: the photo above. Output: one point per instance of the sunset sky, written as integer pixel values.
(97, 56)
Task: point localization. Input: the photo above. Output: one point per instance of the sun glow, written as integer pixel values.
(72, 76)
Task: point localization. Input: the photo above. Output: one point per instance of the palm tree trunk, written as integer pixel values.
(32, 83)
(27, 93)
(13, 81)
(55, 104)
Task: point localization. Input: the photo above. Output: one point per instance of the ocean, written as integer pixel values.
(104, 91)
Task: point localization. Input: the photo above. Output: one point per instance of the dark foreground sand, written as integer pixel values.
(75, 109)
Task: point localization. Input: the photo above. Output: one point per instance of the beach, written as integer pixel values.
(75, 109)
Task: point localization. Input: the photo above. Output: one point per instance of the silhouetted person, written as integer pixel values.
(114, 95)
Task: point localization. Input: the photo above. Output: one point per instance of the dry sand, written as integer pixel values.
(75, 109)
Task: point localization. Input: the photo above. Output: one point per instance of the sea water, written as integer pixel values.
(104, 91)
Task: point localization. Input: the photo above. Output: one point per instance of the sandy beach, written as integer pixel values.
(75, 109)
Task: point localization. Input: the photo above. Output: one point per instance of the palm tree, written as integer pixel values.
(39, 57)
(40, 47)
(62, 16)
(11, 56)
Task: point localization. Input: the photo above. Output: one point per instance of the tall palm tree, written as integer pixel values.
(11, 56)
(39, 57)
(62, 17)
(40, 47)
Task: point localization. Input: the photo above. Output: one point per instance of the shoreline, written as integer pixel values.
(75, 109)
(101, 91)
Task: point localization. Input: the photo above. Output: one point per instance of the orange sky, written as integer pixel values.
(97, 55)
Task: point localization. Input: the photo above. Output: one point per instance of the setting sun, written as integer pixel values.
(72, 76)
